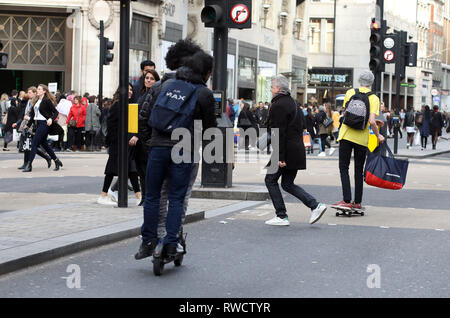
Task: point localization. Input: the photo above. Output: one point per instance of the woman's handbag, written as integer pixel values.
(5, 119)
(73, 122)
(327, 122)
(244, 122)
(385, 172)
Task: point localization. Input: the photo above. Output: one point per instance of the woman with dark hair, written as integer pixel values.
(43, 115)
(437, 122)
(26, 134)
(425, 128)
(12, 117)
(112, 142)
(246, 120)
(150, 78)
(76, 121)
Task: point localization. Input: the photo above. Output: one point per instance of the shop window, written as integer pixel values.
(330, 33)
(140, 44)
(314, 36)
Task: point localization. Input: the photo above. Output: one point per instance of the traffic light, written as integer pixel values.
(233, 14)
(107, 55)
(376, 63)
(3, 57)
(411, 54)
(213, 14)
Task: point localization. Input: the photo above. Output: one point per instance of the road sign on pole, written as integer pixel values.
(389, 55)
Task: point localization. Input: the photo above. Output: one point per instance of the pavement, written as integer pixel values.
(45, 215)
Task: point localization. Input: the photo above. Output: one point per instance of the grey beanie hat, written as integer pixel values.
(366, 78)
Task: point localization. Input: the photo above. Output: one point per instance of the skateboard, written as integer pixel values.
(349, 212)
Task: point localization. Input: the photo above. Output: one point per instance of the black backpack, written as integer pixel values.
(357, 110)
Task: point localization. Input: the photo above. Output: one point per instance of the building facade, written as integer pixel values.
(275, 44)
(56, 41)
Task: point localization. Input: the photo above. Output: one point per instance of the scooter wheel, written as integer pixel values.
(362, 213)
(158, 266)
(337, 214)
(178, 261)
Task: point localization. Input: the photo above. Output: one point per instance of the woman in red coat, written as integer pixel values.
(76, 122)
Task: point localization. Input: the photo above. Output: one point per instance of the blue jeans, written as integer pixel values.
(160, 167)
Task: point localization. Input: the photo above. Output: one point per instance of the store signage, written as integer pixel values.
(324, 77)
(328, 78)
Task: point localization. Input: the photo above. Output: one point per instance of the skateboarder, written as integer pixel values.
(361, 108)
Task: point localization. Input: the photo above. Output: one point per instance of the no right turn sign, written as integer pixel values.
(389, 55)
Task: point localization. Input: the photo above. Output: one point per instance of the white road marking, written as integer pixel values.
(384, 227)
(262, 214)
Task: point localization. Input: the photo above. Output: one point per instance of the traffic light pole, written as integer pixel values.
(220, 59)
(399, 75)
(379, 74)
(123, 102)
(100, 80)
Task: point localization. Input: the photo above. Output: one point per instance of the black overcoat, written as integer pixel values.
(290, 131)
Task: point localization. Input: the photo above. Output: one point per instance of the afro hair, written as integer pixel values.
(179, 52)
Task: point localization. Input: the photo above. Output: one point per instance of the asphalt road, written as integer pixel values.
(245, 258)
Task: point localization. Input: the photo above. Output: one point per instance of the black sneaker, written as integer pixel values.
(146, 250)
(170, 250)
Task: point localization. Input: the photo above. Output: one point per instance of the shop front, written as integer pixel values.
(39, 48)
(320, 82)
(247, 66)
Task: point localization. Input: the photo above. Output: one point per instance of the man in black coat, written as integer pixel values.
(287, 123)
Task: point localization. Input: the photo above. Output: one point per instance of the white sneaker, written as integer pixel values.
(322, 154)
(317, 213)
(332, 150)
(106, 201)
(278, 221)
(114, 195)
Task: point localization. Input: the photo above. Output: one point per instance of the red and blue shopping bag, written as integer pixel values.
(385, 172)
